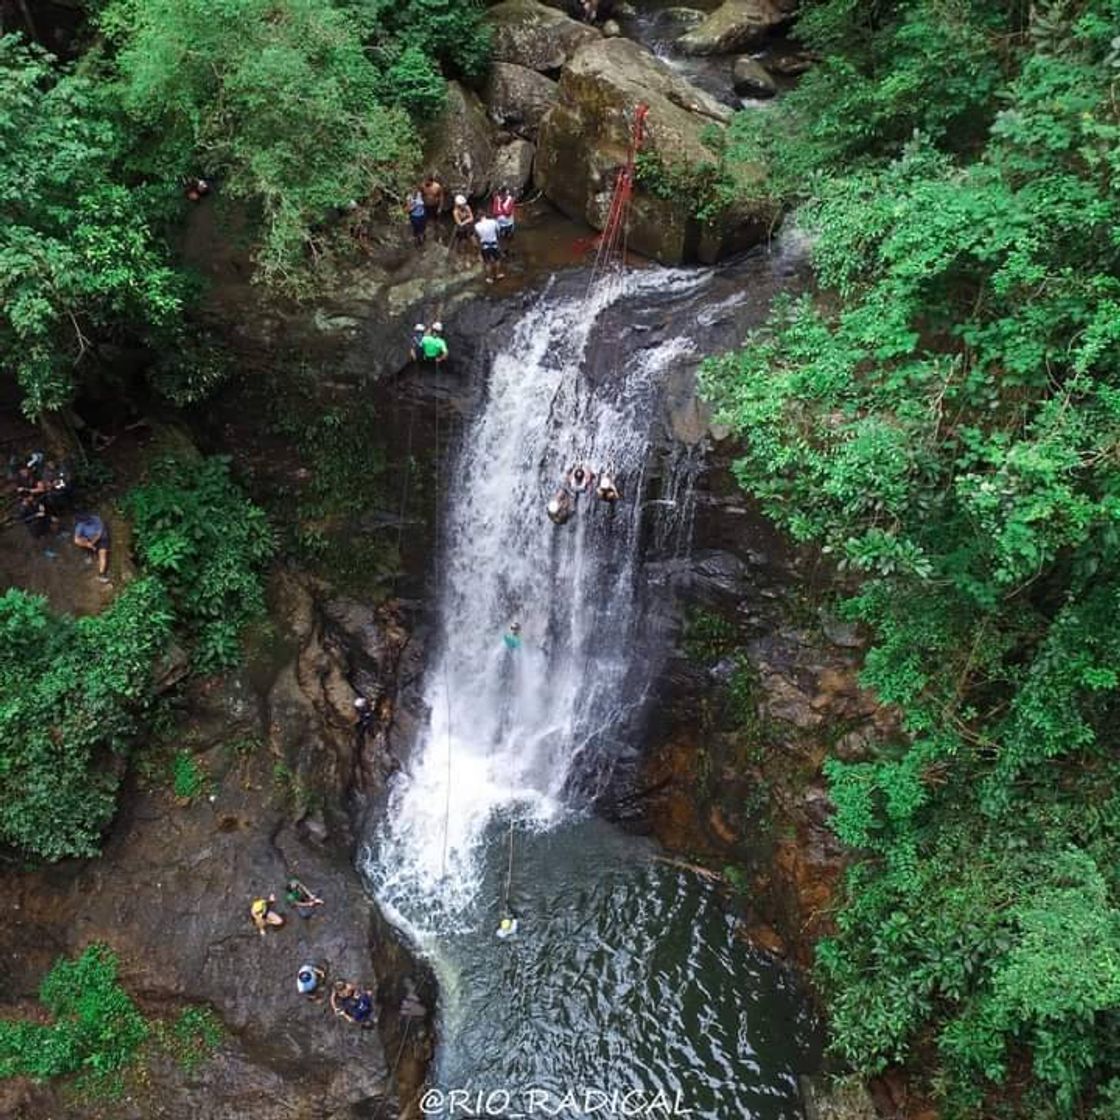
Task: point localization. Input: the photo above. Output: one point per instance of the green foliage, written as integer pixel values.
(73, 693)
(96, 1029)
(944, 423)
(208, 543)
(188, 778)
(707, 637)
(449, 33)
(79, 265)
(276, 98)
(194, 1036)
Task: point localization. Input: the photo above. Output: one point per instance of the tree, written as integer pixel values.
(79, 264)
(945, 424)
(277, 99)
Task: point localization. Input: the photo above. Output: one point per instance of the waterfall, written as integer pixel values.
(512, 732)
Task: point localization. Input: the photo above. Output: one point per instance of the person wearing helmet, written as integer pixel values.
(560, 506)
(512, 636)
(433, 348)
(463, 217)
(415, 343)
(502, 209)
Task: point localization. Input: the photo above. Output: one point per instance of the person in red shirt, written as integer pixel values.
(502, 209)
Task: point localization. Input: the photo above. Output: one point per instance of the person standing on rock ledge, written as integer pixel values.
(417, 215)
(487, 233)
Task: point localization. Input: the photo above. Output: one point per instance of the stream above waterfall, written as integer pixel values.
(626, 974)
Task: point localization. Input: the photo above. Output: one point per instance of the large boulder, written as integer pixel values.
(460, 147)
(513, 166)
(530, 34)
(752, 79)
(736, 25)
(517, 98)
(585, 138)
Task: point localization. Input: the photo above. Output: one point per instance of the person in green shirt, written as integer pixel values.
(433, 348)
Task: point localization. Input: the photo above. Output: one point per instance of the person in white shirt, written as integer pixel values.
(487, 233)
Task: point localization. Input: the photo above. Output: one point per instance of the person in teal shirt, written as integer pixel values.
(433, 348)
(513, 636)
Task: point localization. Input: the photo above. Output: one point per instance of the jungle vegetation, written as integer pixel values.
(942, 416)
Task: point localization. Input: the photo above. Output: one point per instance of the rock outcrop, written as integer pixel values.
(513, 165)
(530, 34)
(585, 137)
(736, 25)
(517, 98)
(460, 147)
(752, 79)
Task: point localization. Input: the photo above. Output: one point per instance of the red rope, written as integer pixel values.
(618, 214)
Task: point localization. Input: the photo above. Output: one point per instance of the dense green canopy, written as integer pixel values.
(944, 419)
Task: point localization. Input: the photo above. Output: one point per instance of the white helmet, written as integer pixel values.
(437, 327)
(460, 200)
(419, 327)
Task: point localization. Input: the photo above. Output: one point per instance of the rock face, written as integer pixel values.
(751, 79)
(513, 165)
(460, 147)
(171, 893)
(517, 98)
(585, 137)
(530, 34)
(735, 25)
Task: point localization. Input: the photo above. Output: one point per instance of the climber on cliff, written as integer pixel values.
(512, 636)
(433, 347)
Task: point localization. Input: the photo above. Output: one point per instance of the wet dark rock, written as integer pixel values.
(751, 78)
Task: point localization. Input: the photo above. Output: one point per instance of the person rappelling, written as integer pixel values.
(512, 636)
(560, 506)
(607, 491)
(507, 927)
(580, 479)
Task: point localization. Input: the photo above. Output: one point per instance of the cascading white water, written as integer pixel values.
(507, 728)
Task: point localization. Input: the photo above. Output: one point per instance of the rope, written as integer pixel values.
(446, 681)
(396, 1063)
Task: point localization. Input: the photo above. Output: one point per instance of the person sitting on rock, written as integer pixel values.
(301, 898)
(308, 979)
(92, 534)
(263, 915)
(433, 347)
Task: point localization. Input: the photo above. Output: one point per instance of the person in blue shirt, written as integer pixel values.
(92, 534)
(512, 637)
(417, 215)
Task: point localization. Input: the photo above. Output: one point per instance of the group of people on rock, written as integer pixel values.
(579, 480)
(489, 229)
(43, 491)
(347, 1000)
